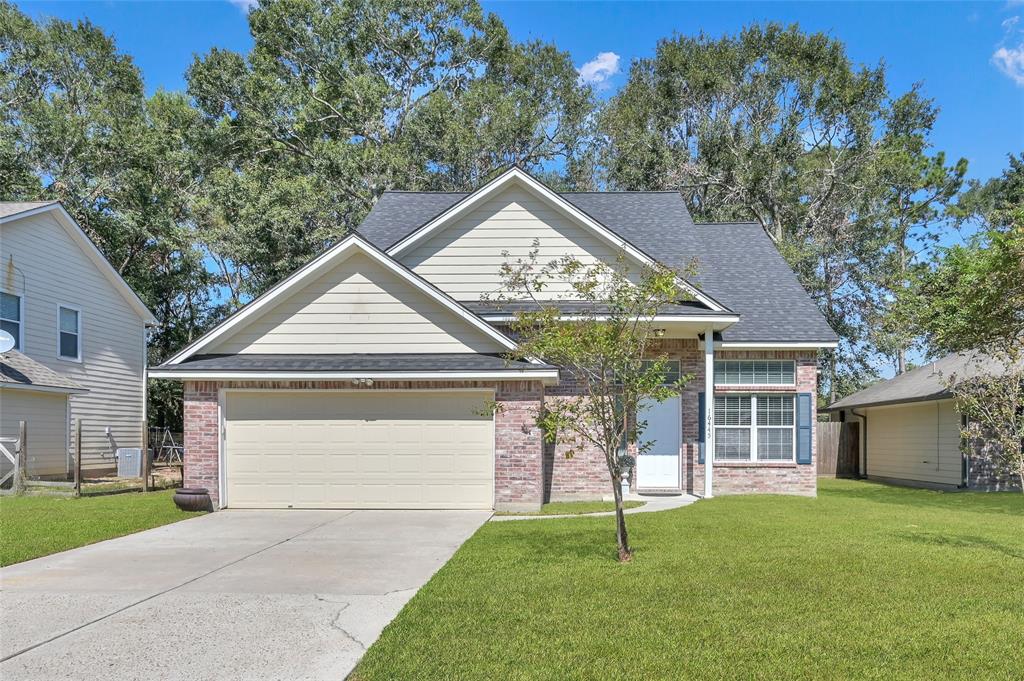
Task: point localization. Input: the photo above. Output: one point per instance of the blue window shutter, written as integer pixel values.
(803, 428)
(702, 421)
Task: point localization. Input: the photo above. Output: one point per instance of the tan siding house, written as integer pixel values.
(79, 319)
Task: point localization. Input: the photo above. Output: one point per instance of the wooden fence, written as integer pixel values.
(838, 448)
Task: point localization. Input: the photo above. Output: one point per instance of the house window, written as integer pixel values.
(69, 343)
(10, 316)
(755, 372)
(754, 427)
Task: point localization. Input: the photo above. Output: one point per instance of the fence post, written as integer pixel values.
(21, 475)
(78, 457)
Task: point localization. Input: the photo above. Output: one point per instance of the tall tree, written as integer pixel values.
(777, 126)
(339, 101)
(911, 194)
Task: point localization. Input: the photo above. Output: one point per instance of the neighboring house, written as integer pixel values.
(361, 380)
(912, 427)
(70, 311)
(33, 393)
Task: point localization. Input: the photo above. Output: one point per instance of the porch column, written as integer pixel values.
(709, 408)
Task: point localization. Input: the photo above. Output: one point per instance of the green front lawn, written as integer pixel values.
(866, 581)
(579, 507)
(33, 526)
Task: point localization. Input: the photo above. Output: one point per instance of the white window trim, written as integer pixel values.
(753, 428)
(21, 321)
(757, 385)
(78, 332)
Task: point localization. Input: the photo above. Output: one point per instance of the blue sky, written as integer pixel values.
(969, 56)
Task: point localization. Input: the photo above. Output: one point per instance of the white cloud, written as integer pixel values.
(599, 69)
(1009, 54)
(1010, 60)
(244, 5)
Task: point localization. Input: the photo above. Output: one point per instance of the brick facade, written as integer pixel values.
(527, 472)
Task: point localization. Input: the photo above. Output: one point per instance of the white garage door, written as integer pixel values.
(358, 450)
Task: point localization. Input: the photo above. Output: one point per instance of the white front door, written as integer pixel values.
(658, 467)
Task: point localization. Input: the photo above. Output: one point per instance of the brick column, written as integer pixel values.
(518, 447)
(202, 437)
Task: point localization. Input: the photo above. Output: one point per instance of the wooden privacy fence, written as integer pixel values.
(838, 448)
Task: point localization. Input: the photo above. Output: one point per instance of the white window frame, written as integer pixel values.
(21, 320)
(78, 332)
(753, 427)
(791, 384)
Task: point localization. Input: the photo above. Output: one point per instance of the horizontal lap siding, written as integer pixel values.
(918, 442)
(45, 415)
(357, 306)
(50, 269)
(464, 259)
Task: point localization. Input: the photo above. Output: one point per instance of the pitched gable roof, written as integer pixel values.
(11, 211)
(925, 383)
(20, 371)
(516, 177)
(343, 249)
(738, 265)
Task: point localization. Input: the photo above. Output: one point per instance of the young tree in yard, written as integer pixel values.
(607, 347)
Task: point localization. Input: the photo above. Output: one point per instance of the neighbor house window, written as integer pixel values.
(755, 372)
(70, 333)
(10, 316)
(754, 427)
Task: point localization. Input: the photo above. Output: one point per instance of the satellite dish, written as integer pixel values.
(6, 341)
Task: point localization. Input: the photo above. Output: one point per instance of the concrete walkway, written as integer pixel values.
(653, 504)
(231, 595)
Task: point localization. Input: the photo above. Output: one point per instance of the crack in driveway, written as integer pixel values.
(169, 589)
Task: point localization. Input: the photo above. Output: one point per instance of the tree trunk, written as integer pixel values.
(621, 536)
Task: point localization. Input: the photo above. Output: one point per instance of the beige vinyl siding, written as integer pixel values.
(50, 270)
(464, 258)
(357, 306)
(45, 415)
(919, 442)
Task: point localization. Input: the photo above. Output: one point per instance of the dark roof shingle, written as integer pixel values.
(375, 362)
(738, 265)
(17, 369)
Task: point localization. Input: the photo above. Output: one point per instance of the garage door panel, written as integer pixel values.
(358, 450)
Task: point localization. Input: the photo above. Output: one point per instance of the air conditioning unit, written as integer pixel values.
(129, 462)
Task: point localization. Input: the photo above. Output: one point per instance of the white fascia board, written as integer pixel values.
(796, 345)
(85, 243)
(510, 375)
(326, 259)
(515, 174)
(662, 319)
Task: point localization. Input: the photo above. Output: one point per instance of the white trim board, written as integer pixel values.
(517, 175)
(85, 243)
(545, 375)
(795, 345)
(343, 249)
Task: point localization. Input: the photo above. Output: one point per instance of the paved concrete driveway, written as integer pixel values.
(231, 595)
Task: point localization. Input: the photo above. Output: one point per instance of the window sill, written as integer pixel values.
(756, 464)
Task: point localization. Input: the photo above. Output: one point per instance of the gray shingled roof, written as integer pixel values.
(383, 362)
(738, 265)
(18, 370)
(925, 383)
(8, 208)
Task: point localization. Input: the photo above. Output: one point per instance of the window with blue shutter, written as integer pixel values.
(803, 427)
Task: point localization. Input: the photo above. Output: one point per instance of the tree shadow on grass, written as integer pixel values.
(963, 542)
(1002, 503)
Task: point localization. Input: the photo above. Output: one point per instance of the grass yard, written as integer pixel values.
(579, 507)
(866, 581)
(33, 526)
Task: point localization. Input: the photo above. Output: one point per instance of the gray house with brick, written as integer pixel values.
(362, 379)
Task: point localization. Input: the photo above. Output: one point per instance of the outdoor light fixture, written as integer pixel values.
(659, 333)
(362, 382)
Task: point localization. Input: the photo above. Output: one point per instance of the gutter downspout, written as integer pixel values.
(864, 438)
